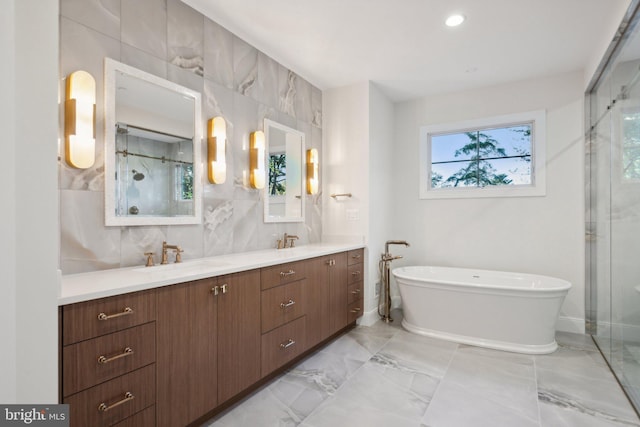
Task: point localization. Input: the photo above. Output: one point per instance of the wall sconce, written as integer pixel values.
(80, 120)
(216, 150)
(312, 171)
(257, 160)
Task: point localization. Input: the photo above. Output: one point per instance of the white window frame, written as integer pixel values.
(538, 158)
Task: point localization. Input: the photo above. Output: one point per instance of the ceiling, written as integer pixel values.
(404, 47)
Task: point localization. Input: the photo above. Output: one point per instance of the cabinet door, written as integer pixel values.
(238, 333)
(186, 353)
(317, 300)
(338, 291)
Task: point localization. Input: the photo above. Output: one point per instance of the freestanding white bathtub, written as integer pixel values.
(504, 311)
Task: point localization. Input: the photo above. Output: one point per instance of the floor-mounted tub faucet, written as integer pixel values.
(384, 266)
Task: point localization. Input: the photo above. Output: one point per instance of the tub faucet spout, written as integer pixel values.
(394, 242)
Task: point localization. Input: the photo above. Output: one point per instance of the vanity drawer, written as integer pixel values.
(355, 273)
(146, 418)
(92, 319)
(355, 256)
(283, 273)
(94, 361)
(283, 304)
(115, 400)
(354, 292)
(283, 344)
(355, 310)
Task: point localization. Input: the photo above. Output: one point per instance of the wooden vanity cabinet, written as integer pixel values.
(108, 360)
(208, 344)
(173, 355)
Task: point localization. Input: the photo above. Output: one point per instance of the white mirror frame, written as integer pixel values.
(111, 68)
(269, 124)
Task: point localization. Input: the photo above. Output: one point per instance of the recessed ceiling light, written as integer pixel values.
(454, 20)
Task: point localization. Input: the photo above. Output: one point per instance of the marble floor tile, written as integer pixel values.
(382, 375)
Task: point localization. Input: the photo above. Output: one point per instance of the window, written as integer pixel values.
(494, 157)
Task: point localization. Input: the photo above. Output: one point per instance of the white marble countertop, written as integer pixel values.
(105, 283)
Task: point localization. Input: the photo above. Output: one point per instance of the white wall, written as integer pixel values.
(8, 216)
(542, 235)
(357, 158)
(345, 161)
(610, 27)
(29, 218)
(381, 144)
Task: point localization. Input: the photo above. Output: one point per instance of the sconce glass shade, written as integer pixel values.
(216, 150)
(312, 171)
(257, 164)
(80, 119)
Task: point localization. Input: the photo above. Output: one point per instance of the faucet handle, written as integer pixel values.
(178, 251)
(149, 256)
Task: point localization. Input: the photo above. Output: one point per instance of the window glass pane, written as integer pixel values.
(445, 148)
(459, 174)
(484, 157)
(511, 171)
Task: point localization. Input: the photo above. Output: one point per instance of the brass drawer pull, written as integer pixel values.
(103, 407)
(284, 305)
(356, 310)
(288, 344)
(355, 291)
(287, 273)
(126, 311)
(126, 352)
(355, 273)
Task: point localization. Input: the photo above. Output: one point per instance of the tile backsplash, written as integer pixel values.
(171, 40)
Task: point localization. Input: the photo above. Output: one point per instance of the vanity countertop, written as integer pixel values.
(105, 283)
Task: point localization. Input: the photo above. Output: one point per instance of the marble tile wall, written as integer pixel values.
(169, 39)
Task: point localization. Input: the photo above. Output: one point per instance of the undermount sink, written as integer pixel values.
(186, 267)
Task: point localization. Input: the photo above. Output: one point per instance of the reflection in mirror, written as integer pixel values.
(154, 173)
(152, 147)
(284, 196)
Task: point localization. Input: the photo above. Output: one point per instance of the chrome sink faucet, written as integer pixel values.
(178, 250)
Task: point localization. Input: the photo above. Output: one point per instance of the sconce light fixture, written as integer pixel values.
(216, 150)
(80, 120)
(312, 171)
(257, 160)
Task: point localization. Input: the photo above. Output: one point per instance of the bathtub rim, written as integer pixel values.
(485, 343)
(563, 286)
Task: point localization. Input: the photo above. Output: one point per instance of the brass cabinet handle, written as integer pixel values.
(284, 305)
(356, 310)
(126, 352)
(223, 288)
(287, 344)
(103, 407)
(355, 291)
(331, 262)
(287, 273)
(126, 311)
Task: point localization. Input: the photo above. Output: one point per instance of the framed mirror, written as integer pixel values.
(153, 132)
(284, 190)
